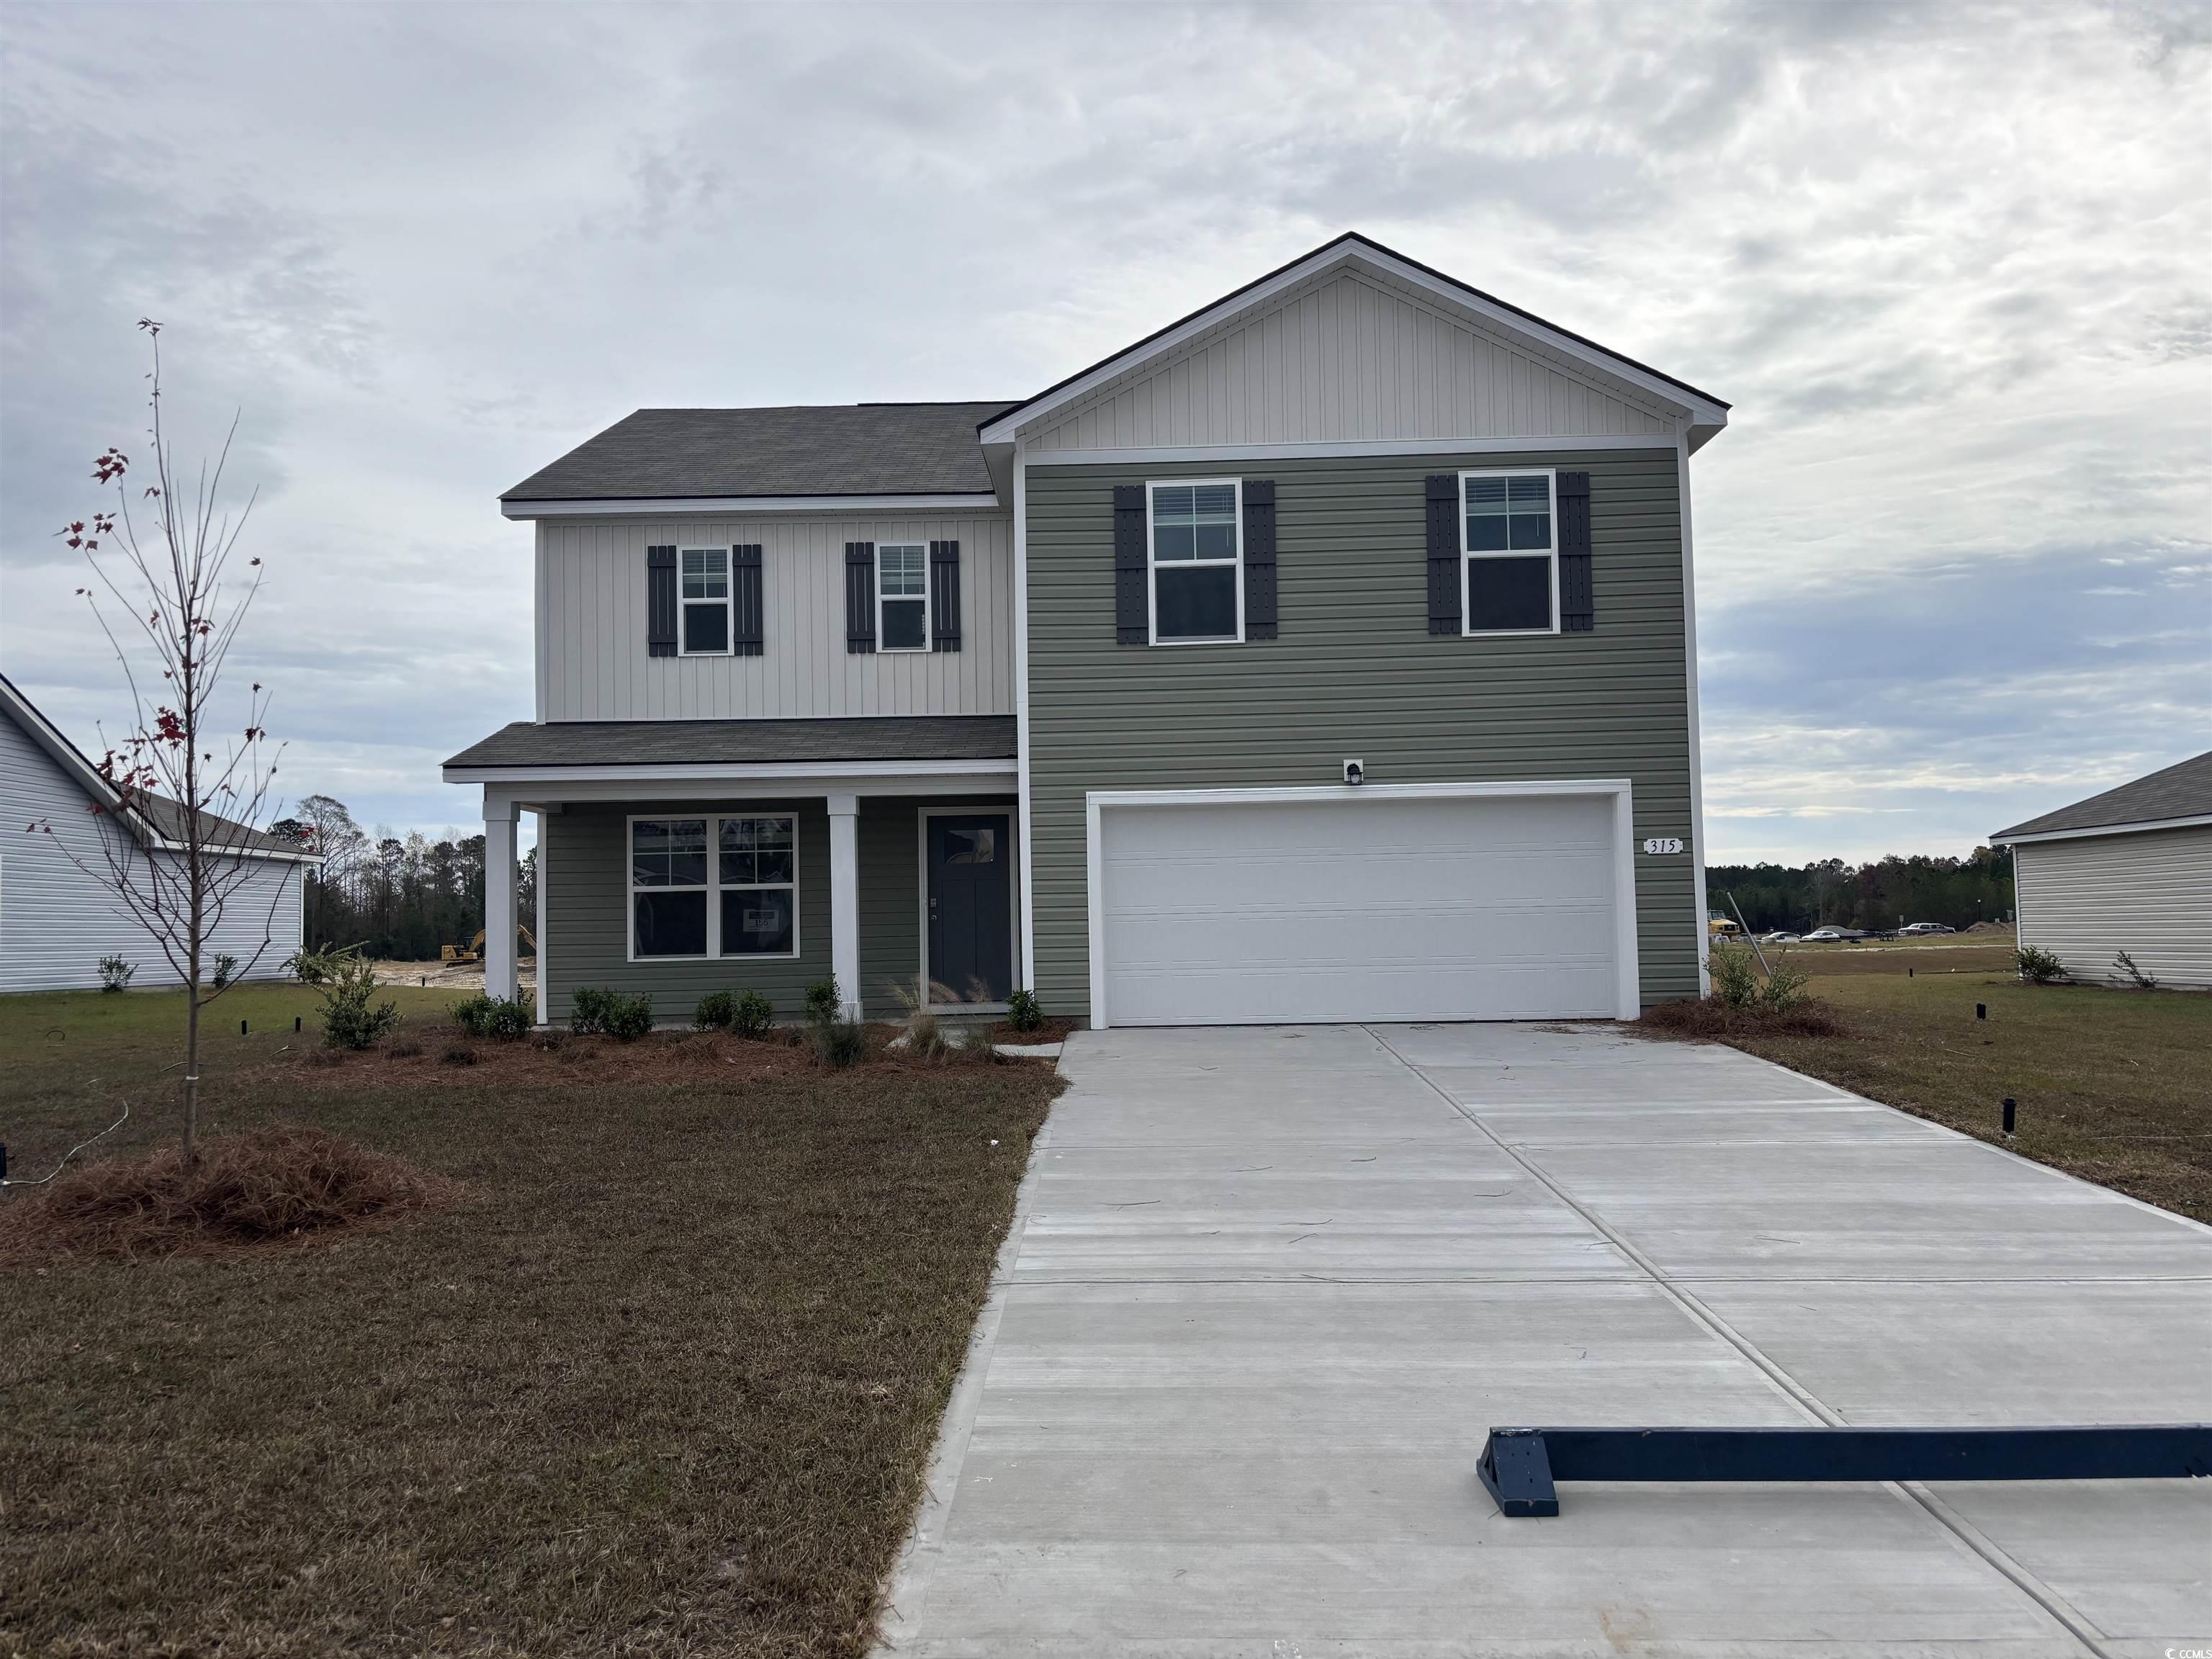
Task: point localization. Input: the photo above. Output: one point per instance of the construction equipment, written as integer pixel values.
(449, 955)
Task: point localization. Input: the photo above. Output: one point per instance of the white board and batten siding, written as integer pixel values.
(594, 664)
(1350, 359)
(2087, 898)
(57, 919)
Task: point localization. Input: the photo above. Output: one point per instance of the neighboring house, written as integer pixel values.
(59, 915)
(1064, 692)
(2129, 870)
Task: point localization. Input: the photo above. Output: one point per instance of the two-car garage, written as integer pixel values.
(1444, 902)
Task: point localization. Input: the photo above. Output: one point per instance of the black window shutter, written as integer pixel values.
(1443, 553)
(1132, 613)
(745, 636)
(861, 596)
(1577, 603)
(944, 596)
(660, 601)
(1259, 558)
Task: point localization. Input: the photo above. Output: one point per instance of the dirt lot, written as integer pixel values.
(663, 1381)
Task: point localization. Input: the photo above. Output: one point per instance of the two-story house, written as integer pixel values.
(1327, 655)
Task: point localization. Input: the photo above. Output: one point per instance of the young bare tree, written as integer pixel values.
(183, 850)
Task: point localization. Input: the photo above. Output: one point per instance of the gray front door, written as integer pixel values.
(971, 895)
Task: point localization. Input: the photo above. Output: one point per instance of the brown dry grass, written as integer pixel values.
(667, 1383)
(2112, 1085)
(1708, 1017)
(285, 1184)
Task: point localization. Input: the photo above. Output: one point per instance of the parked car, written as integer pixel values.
(1777, 938)
(1829, 935)
(1922, 929)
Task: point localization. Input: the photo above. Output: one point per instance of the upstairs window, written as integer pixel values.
(902, 596)
(705, 601)
(1198, 578)
(1511, 564)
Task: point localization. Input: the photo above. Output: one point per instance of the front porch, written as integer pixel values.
(897, 865)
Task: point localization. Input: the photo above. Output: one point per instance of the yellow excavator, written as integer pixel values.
(473, 951)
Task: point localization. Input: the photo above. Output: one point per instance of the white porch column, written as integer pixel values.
(500, 977)
(845, 899)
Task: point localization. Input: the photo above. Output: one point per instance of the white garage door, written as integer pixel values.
(1360, 907)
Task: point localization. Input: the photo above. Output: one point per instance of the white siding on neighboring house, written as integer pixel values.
(594, 664)
(1350, 359)
(2086, 898)
(56, 921)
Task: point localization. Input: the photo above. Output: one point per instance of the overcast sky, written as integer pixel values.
(1951, 265)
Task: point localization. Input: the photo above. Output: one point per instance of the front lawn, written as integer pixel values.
(2113, 1085)
(664, 1381)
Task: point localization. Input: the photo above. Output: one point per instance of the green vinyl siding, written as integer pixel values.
(890, 840)
(586, 865)
(1355, 672)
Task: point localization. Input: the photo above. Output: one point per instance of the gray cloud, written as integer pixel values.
(1948, 262)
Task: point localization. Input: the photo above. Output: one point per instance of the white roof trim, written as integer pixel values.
(715, 776)
(729, 506)
(2135, 829)
(1700, 411)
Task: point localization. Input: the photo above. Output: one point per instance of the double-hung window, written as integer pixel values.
(1197, 575)
(757, 881)
(714, 887)
(706, 595)
(1510, 562)
(902, 596)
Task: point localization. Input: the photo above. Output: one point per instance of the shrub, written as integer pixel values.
(1734, 975)
(753, 1016)
(1786, 987)
(587, 1009)
(352, 1018)
(506, 1019)
(627, 1018)
(924, 1035)
(837, 1043)
(2038, 967)
(2126, 964)
(824, 997)
(316, 967)
(1023, 1012)
(115, 974)
(715, 1012)
(226, 969)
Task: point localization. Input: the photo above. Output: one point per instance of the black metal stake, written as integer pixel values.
(2011, 1106)
(241, 1028)
(1908, 972)
(1981, 1010)
(296, 1022)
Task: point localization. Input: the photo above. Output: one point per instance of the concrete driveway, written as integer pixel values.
(1268, 1288)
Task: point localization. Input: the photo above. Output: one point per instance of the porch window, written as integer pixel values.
(902, 596)
(756, 877)
(715, 886)
(668, 887)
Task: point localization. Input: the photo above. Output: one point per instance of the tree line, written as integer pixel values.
(398, 898)
(1882, 893)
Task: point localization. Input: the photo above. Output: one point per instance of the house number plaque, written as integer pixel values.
(1663, 844)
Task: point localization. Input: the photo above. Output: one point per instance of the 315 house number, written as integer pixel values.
(1663, 844)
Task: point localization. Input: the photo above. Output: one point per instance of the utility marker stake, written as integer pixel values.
(241, 1028)
(296, 1022)
(2011, 1106)
(1981, 1010)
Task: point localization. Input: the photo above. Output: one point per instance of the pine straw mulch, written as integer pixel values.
(284, 1185)
(1709, 1018)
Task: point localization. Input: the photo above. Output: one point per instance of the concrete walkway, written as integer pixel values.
(1268, 1288)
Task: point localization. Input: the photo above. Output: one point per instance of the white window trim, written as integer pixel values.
(729, 603)
(981, 810)
(714, 889)
(1151, 564)
(1468, 630)
(928, 620)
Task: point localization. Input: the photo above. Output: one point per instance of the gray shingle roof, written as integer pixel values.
(841, 449)
(745, 742)
(2182, 790)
